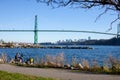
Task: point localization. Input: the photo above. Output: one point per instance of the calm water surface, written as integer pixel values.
(99, 53)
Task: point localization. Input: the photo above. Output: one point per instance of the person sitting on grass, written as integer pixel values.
(21, 58)
(16, 58)
(31, 60)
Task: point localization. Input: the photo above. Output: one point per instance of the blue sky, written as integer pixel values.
(20, 14)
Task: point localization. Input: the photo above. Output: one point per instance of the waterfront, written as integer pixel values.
(99, 53)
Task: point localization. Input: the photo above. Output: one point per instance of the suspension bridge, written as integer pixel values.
(72, 31)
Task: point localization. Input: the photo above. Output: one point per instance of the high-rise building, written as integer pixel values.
(89, 38)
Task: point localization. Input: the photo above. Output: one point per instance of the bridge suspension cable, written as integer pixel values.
(78, 31)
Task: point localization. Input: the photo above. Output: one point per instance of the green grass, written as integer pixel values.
(16, 76)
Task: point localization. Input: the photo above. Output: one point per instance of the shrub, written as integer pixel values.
(114, 63)
(54, 61)
(74, 61)
(85, 64)
(3, 58)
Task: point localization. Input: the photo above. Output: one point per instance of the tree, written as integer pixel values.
(107, 5)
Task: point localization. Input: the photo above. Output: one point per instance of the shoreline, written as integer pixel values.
(57, 73)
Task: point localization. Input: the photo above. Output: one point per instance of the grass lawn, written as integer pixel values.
(16, 76)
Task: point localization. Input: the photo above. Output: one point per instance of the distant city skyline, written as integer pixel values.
(17, 15)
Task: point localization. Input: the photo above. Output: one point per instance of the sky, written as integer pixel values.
(20, 14)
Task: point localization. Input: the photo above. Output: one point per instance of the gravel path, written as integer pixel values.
(57, 73)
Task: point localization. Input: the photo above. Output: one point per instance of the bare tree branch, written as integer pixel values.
(113, 5)
(84, 3)
(101, 14)
(118, 18)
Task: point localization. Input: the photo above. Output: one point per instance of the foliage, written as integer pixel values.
(3, 58)
(85, 64)
(112, 41)
(54, 61)
(114, 64)
(111, 64)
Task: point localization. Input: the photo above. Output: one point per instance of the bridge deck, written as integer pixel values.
(58, 31)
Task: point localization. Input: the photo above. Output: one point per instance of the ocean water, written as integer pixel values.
(98, 53)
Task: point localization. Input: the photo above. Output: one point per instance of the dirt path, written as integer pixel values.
(56, 73)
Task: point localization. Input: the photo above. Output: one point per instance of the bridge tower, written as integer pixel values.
(35, 31)
(118, 30)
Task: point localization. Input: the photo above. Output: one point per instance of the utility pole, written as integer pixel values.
(36, 31)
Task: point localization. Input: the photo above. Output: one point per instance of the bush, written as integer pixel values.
(3, 58)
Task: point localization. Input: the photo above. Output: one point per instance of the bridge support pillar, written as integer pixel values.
(36, 31)
(118, 30)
